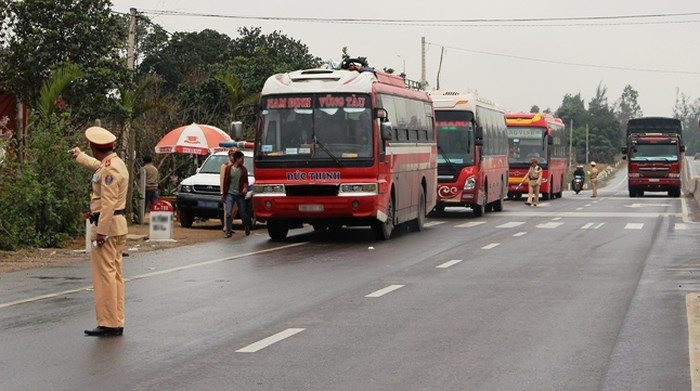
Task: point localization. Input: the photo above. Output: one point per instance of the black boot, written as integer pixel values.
(102, 331)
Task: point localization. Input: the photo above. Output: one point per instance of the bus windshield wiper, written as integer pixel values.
(323, 147)
(449, 162)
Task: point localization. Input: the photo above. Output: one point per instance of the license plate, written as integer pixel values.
(310, 208)
(208, 204)
(653, 180)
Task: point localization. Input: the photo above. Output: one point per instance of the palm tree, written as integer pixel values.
(238, 97)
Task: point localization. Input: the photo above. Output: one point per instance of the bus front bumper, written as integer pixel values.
(310, 209)
(655, 184)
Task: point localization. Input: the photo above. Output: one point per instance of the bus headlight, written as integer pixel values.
(355, 189)
(470, 184)
(268, 190)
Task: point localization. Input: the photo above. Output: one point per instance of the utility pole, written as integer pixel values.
(423, 49)
(129, 134)
(571, 136)
(132, 39)
(442, 52)
(587, 150)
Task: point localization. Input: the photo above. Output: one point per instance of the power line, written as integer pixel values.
(449, 22)
(548, 61)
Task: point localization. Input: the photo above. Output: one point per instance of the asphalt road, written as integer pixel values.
(578, 294)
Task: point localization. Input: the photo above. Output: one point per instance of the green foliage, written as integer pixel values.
(687, 110)
(43, 200)
(40, 34)
(535, 109)
(52, 89)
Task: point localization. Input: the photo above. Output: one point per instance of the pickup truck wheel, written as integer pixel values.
(186, 218)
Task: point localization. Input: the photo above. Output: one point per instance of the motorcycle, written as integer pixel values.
(577, 183)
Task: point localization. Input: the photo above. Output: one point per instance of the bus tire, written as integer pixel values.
(277, 230)
(480, 209)
(560, 193)
(674, 193)
(633, 192)
(383, 230)
(498, 204)
(417, 224)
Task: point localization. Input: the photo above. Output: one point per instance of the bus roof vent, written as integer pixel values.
(451, 93)
(317, 72)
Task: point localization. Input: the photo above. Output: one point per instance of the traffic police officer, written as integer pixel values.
(593, 174)
(107, 214)
(534, 178)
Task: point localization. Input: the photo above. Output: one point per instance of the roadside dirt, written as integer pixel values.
(74, 250)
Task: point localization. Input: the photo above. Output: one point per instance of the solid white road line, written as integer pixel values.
(263, 343)
(599, 225)
(587, 225)
(634, 225)
(511, 224)
(549, 225)
(543, 214)
(490, 246)
(519, 234)
(448, 264)
(470, 224)
(145, 275)
(433, 223)
(384, 291)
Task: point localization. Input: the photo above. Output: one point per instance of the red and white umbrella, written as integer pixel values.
(192, 139)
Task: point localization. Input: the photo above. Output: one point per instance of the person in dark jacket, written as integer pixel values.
(234, 190)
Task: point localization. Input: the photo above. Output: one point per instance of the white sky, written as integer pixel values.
(514, 84)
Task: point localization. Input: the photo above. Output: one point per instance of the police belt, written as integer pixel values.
(95, 217)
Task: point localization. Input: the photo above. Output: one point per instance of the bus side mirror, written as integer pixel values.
(682, 148)
(386, 131)
(479, 135)
(380, 113)
(236, 129)
(623, 150)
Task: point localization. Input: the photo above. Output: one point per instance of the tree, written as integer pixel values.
(535, 109)
(627, 107)
(38, 35)
(604, 127)
(687, 110)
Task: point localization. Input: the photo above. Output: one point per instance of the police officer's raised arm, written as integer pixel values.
(85, 160)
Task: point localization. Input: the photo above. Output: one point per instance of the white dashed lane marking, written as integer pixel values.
(519, 234)
(384, 291)
(433, 223)
(470, 224)
(263, 343)
(549, 225)
(556, 219)
(599, 225)
(511, 224)
(679, 226)
(448, 264)
(587, 226)
(592, 225)
(634, 225)
(490, 246)
(579, 208)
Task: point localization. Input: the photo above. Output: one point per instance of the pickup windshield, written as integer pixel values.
(655, 152)
(213, 164)
(316, 127)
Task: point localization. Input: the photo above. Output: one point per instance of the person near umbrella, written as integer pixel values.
(110, 182)
(234, 190)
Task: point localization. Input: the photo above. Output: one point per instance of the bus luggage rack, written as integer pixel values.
(311, 190)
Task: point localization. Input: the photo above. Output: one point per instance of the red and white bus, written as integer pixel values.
(340, 147)
(541, 136)
(472, 152)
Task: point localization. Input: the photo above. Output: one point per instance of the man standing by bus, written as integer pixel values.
(593, 174)
(534, 178)
(107, 215)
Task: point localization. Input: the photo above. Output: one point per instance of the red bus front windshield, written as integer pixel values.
(524, 143)
(455, 137)
(316, 127)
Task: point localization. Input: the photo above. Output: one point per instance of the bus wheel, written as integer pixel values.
(416, 225)
(479, 209)
(277, 230)
(633, 192)
(674, 193)
(497, 205)
(383, 230)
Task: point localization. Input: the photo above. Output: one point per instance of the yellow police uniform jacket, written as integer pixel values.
(109, 188)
